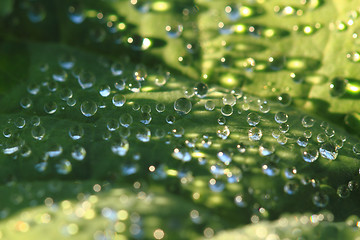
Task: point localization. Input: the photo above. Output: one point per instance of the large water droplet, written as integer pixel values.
(281, 117)
(50, 107)
(88, 108)
(328, 150)
(255, 134)
(201, 89)
(310, 154)
(86, 79)
(118, 100)
(308, 121)
(253, 119)
(182, 105)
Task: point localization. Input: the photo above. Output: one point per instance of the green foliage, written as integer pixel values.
(75, 165)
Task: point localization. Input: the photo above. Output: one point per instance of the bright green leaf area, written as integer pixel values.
(106, 134)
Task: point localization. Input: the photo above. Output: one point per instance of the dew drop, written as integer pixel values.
(19, 122)
(36, 12)
(88, 108)
(86, 79)
(38, 132)
(229, 99)
(329, 151)
(320, 199)
(78, 153)
(59, 75)
(338, 87)
(233, 12)
(291, 187)
(284, 127)
(170, 119)
(221, 120)
(143, 134)
(343, 191)
(76, 14)
(255, 134)
(266, 149)
(66, 61)
(302, 141)
(281, 117)
(216, 185)
(241, 148)
(223, 132)
(310, 154)
(117, 68)
(308, 122)
(209, 105)
(76, 132)
(201, 90)
(253, 119)
(126, 120)
(105, 90)
(227, 110)
(182, 105)
(181, 153)
(160, 107)
(174, 31)
(356, 149)
(26, 103)
(54, 150)
(50, 107)
(284, 99)
(65, 94)
(63, 167)
(120, 147)
(118, 100)
(225, 157)
(112, 125)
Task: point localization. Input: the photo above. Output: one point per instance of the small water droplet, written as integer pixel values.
(281, 117)
(241, 148)
(117, 68)
(284, 99)
(38, 132)
(223, 132)
(54, 150)
(227, 110)
(284, 127)
(216, 185)
(19, 122)
(76, 13)
(291, 187)
(118, 100)
(302, 141)
(209, 105)
(225, 157)
(160, 107)
(50, 107)
(201, 90)
(33, 89)
(59, 75)
(232, 11)
(320, 199)
(65, 94)
(174, 31)
(126, 120)
(112, 125)
(343, 191)
(105, 90)
(266, 149)
(36, 12)
(229, 99)
(120, 147)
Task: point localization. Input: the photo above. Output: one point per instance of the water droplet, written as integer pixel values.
(160, 107)
(321, 137)
(291, 187)
(143, 134)
(277, 63)
(353, 56)
(223, 132)
(209, 105)
(253, 119)
(290, 172)
(233, 12)
(35, 121)
(270, 169)
(264, 107)
(284, 127)
(307, 133)
(338, 87)
(170, 119)
(105, 90)
(181, 153)
(229, 99)
(330, 132)
(328, 150)
(86, 79)
(118, 100)
(227, 110)
(125, 132)
(146, 109)
(356, 149)
(76, 14)
(284, 99)
(33, 89)
(143, 6)
(120, 147)
(302, 141)
(112, 125)
(120, 85)
(25, 151)
(145, 118)
(7, 132)
(239, 201)
(88, 108)
(117, 68)
(320, 199)
(241, 148)
(76, 132)
(201, 90)
(59, 75)
(63, 167)
(65, 94)
(281, 117)
(216, 185)
(78, 153)
(225, 157)
(221, 120)
(52, 86)
(217, 169)
(343, 191)
(25, 102)
(308, 121)
(19, 122)
(310, 154)
(140, 72)
(12, 145)
(255, 134)
(36, 12)
(266, 149)
(190, 92)
(41, 166)
(182, 106)
(38, 132)
(71, 102)
(174, 31)
(66, 61)
(50, 107)
(133, 85)
(126, 120)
